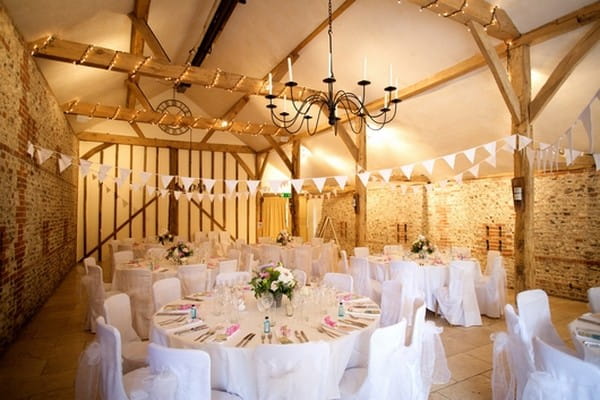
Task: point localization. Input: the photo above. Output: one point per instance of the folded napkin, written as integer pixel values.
(362, 312)
(188, 324)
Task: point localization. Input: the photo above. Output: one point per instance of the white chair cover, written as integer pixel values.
(316, 241)
(460, 252)
(503, 380)
(92, 282)
(341, 282)
(165, 291)
(564, 376)
(234, 254)
(491, 257)
(458, 301)
(303, 259)
(594, 299)
(228, 266)
(118, 314)
(300, 277)
(391, 303)
(199, 236)
(393, 249)
(87, 262)
(232, 278)
(519, 358)
(491, 290)
(361, 252)
(193, 278)
(190, 367)
(120, 257)
(323, 264)
(248, 263)
(270, 253)
(343, 264)
(139, 282)
(156, 253)
(359, 269)
(378, 381)
(87, 380)
(213, 236)
(293, 371)
(535, 320)
(406, 272)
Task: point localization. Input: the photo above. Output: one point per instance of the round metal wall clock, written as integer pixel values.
(176, 107)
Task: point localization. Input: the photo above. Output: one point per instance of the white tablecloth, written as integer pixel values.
(587, 348)
(232, 368)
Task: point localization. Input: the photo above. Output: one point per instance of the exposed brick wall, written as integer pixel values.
(38, 204)
(341, 211)
(480, 213)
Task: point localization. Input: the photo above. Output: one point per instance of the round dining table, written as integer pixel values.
(230, 334)
(585, 334)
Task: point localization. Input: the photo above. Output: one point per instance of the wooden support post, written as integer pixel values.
(361, 191)
(295, 200)
(520, 72)
(173, 208)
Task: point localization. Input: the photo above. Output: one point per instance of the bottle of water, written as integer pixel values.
(267, 325)
(193, 313)
(341, 311)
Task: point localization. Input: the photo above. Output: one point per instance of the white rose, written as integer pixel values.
(274, 286)
(285, 277)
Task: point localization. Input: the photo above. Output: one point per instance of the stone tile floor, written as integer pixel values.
(42, 362)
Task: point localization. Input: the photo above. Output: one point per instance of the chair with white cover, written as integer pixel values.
(191, 368)
(292, 371)
(359, 269)
(303, 259)
(316, 241)
(377, 381)
(193, 278)
(140, 296)
(391, 303)
(361, 252)
(406, 272)
(117, 309)
(323, 264)
(213, 236)
(92, 282)
(120, 257)
(534, 314)
(460, 253)
(234, 254)
(156, 253)
(232, 278)
(199, 236)
(228, 266)
(247, 261)
(343, 264)
(300, 277)
(491, 290)
(270, 253)
(594, 299)
(393, 249)
(491, 258)
(561, 376)
(458, 301)
(225, 238)
(341, 282)
(87, 262)
(165, 291)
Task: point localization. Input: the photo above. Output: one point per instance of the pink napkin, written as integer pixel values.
(329, 322)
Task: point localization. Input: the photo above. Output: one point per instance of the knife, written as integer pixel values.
(243, 339)
(589, 321)
(304, 336)
(249, 339)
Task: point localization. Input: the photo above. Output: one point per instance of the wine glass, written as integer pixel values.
(266, 300)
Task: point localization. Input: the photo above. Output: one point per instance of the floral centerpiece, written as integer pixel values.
(422, 246)
(283, 237)
(274, 279)
(166, 237)
(179, 253)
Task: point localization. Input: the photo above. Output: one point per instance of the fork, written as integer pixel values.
(205, 336)
(298, 336)
(172, 320)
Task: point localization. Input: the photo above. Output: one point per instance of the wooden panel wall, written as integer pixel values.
(107, 212)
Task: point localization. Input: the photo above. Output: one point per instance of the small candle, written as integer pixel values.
(284, 102)
(330, 72)
(385, 100)
(270, 83)
(365, 69)
(290, 69)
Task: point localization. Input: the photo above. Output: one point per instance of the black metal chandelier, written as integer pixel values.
(332, 103)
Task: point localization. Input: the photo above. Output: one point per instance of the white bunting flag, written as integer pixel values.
(474, 170)
(201, 197)
(385, 174)
(211, 197)
(252, 185)
(177, 194)
(319, 183)
(341, 181)
(530, 156)
(123, 175)
(364, 177)
(231, 184)
(569, 149)
(491, 160)
(163, 192)
(144, 177)
(208, 184)
(275, 185)
(150, 190)
(544, 146)
(297, 184)
(524, 141)
(189, 196)
(470, 154)
(597, 161)
(428, 164)
(103, 171)
(136, 186)
(490, 147)
(407, 170)
(64, 162)
(586, 120)
(43, 155)
(450, 159)
(511, 141)
(30, 149)
(459, 178)
(576, 153)
(186, 181)
(166, 180)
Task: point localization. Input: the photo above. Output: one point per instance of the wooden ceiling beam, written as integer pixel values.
(245, 167)
(141, 9)
(495, 20)
(137, 129)
(279, 150)
(498, 71)
(134, 87)
(141, 25)
(130, 115)
(563, 70)
(177, 144)
(350, 145)
(95, 150)
(131, 64)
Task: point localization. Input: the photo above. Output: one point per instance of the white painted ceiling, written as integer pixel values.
(463, 113)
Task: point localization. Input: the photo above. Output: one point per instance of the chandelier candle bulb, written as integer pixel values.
(289, 60)
(270, 85)
(329, 66)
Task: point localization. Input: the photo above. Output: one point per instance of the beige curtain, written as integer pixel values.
(274, 213)
(313, 216)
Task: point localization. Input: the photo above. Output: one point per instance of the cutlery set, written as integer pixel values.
(245, 340)
(202, 338)
(301, 336)
(171, 321)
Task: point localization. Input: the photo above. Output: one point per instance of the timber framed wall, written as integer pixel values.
(107, 212)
